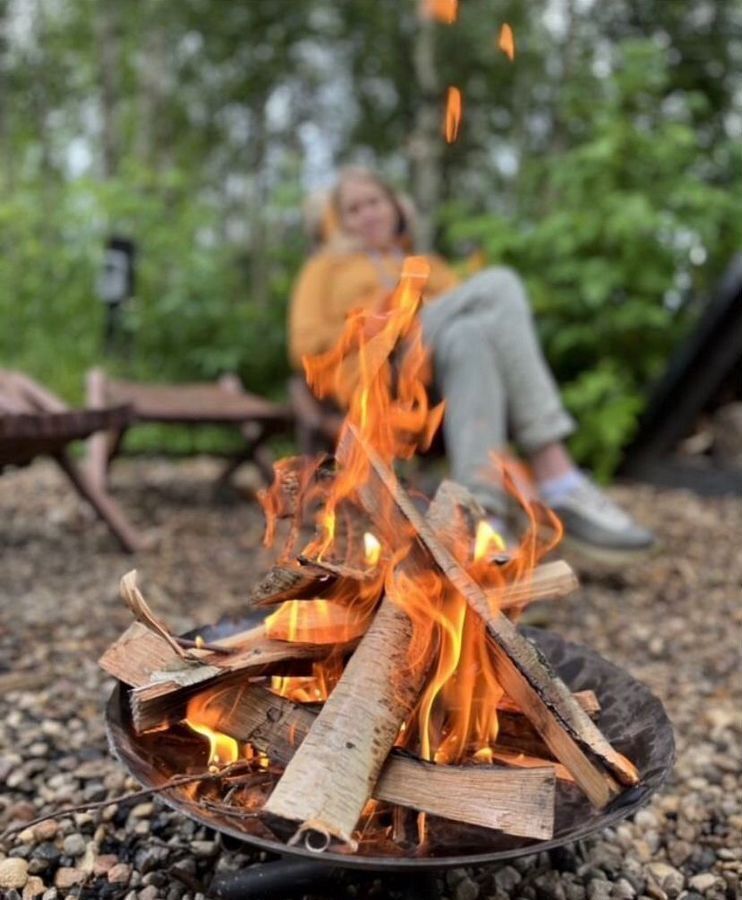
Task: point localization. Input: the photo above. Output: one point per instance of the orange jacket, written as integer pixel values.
(332, 284)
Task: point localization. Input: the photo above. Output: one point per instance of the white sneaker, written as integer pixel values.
(596, 525)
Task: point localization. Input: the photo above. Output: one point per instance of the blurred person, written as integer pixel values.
(487, 362)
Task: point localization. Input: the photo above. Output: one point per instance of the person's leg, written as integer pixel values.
(495, 308)
(496, 301)
(475, 419)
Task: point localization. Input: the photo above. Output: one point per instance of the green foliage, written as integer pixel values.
(601, 167)
(193, 317)
(606, 229)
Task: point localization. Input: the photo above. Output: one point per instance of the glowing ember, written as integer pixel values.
(506, 41)
(453, 114)
(484, 755)
(486, 540)
(371, 550)
(314, 688)
(444, 11)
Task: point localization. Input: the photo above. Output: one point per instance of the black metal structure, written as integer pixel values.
(631, 717)
(709, 358)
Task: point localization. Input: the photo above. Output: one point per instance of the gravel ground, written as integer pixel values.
(673, 621)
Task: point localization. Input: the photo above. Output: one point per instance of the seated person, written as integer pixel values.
(488, 366)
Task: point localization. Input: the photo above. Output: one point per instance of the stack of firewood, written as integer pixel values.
(334, 758)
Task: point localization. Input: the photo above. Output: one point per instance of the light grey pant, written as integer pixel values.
(491, 372)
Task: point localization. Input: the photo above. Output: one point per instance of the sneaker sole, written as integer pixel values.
(606, 555)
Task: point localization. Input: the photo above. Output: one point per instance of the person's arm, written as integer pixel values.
(308, 327)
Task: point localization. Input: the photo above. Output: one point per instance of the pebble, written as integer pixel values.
(203, 849)
(598, 889)
(678, 852)
(623, 890)
(46, 831)
(148, 893)
(142, 810)
(74, 845)
(34, 888)
(66, 878)
(13, 873)
(119, 874)
(104, 863)
(466, 890)
(703, 882)
(507, 878)
(669, 879)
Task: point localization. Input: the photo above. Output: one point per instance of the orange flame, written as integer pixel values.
(506, 41)
(453, 115)
(223, 749)
(314, 688)
(380, 370)
(445, 11)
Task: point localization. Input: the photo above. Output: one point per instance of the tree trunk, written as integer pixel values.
(425, 145)
(107, 27)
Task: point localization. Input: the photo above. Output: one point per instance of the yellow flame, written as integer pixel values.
(371, 549)
(223, 749)
(486, 538)
(506, 41)
(484, 755)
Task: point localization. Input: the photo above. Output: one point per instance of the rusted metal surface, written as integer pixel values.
(631, 717)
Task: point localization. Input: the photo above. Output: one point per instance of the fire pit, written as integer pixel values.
(387, 714)
(631, 717)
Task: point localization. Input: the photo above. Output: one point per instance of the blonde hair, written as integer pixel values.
(323, 213)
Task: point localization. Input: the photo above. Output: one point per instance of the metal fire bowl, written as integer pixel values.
(632, 719)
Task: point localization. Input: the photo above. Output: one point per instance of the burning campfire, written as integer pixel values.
(387, 688)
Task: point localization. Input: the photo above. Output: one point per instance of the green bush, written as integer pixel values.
(608, 234)
(193, 318)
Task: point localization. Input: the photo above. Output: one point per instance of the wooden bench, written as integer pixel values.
(225, 402)
(34, 422)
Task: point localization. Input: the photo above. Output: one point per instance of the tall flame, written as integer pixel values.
(453, 114)
(506, 41)
(380, 370)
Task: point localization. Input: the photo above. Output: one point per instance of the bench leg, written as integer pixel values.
(96, 463)
(103, 504)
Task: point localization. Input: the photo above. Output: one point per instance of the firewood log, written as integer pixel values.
(516, 802)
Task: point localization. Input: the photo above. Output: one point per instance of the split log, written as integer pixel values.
(516, 802)
(315, 622)
(290, 581)
(550, 581)
(588, 700)
(329, 780)
(521, 669)
(163, 681)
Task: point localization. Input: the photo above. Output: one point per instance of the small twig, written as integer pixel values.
(175, 781)
(229, 811)
(189, 644)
